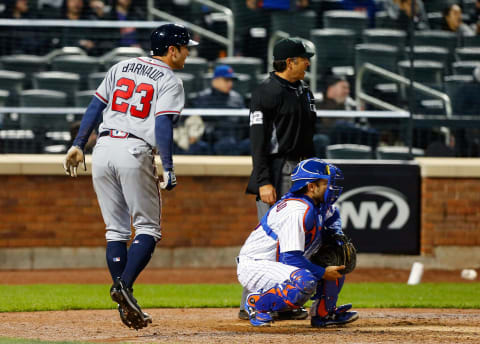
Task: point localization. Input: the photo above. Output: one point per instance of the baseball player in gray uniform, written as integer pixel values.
(140, 99)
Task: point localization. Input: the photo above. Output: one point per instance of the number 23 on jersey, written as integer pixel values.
(128, 88)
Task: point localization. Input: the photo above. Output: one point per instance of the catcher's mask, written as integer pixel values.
(310, 170)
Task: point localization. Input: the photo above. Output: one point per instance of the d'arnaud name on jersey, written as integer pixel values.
(144, 70)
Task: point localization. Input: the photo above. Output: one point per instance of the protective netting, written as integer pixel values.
(55, 53)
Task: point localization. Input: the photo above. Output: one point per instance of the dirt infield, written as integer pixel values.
(222, 325)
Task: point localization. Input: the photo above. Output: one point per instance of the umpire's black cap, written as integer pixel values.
(289, 48)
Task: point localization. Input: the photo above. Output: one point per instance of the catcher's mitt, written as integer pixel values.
(331, 253)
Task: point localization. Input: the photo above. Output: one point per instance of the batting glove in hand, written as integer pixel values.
(169, 180)
(72, 159)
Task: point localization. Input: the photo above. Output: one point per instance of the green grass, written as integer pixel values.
(43, 297)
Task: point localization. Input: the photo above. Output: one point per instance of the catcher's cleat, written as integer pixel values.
(343, 308)
(130, 312)
(243, 315)
(256, 318)
(334, 319)
(292, 314)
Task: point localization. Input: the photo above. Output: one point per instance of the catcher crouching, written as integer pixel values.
(298, 251)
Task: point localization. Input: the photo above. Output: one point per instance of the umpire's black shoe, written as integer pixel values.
(130, 312)
(294, 314)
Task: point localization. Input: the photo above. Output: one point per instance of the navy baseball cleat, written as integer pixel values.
(130, 312)
(340, 316)
(292, 314)
(128, 323)
(256, 318)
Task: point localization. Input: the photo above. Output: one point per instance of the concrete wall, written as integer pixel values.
(50, 220)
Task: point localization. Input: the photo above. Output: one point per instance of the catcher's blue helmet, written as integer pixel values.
(167, 35)
(310, 170)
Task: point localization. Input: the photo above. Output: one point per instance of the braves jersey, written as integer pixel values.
(294, 223)
(135, 92)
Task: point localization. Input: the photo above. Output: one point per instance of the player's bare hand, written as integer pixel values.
(268, 194)
(169, 180)
(331, 272)
(72, 159)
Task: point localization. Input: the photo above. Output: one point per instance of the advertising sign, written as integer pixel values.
(380, 206)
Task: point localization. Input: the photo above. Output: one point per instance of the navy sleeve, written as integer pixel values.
(164, 137)
(92, 116)
(296, 258)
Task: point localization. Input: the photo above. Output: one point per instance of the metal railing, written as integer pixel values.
(313, 60)
(226, 15)
(56, 111)
(362, 96)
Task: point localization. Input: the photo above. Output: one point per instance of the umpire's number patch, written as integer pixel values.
(256, 117)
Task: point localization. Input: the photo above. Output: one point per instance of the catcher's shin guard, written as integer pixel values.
(326, 297)
(256, 318)
(290, 294)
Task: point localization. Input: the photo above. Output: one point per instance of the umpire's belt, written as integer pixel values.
(118, 134)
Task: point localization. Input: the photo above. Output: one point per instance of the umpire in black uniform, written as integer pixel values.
(282, 125)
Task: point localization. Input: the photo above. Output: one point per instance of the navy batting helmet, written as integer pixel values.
(167, 35)
(310, 170)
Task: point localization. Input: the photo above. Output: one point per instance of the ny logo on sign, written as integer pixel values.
(357, 208)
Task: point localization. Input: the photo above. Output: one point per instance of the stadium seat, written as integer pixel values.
(349, 151)
(119, 54)
(397, 152)
(429, 73)
(381, 55)
(342, 19)
(243, 65)
(3, 97)
(464, 67)
(435, 20)
(425, 71)
(397, 38)
(83, 98)
(27, 64)
(58, 81)
(320, 143)
(13, 82)
(17, 141)
(55, 149)
(383, 20)
(464, 94)
(467, 54)
(437, 38)
(80, 64)
(43, 98)
(297, 24)
(471, 41)
(95, 79)
(198, 66)
(431, 53)
(334, 47)
(436, 5)
(65, 51)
